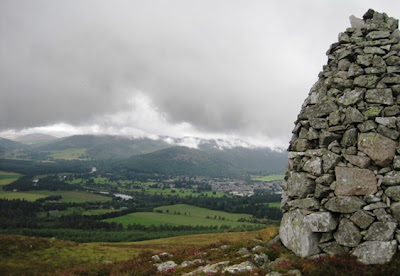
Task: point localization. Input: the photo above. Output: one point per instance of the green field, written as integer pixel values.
(195, 211)
(67, 196)
(272, 177)
(274, 204)
(195, 216)
(69, 154)
(98, 212)
(8, 177)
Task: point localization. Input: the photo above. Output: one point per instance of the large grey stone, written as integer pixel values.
(300, 145)
(391, 178)
(353, 116)
(166, 266)
(349, 138)
(347, 234)
(378, 34)
(367, 81)
(381, 231)
(362, 219)
(379, 148)
(313, 166)
(299, 185)
(375, 252)
(326, 137)
(330, 160)
(395, 210)
(321, 222)
(354, 181)
(332, 248)
(296, 235)
(318, 110)
(306, 203)
(344, 204)
(351, 97)
(393, 192)
(380, 96)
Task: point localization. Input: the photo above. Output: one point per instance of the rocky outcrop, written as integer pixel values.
(342, 186)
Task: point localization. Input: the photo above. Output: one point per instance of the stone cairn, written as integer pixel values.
(342, 187)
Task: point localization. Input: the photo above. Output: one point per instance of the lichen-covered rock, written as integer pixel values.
(347, 234)
(321, 222)
(381, 231)
(393, 193)
(362, 219)
(375, 252)
(165, 266)
(299, 185)
(332, 248)
(296, 234)
(344, 204)
(239, 268)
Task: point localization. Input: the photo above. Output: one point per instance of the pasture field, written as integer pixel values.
(67, 196)
(274, 204)
(272, 177)
(182, 214)
(8, 177)
(151, 218)
(69, 154)
(98, 211)
(195, 211)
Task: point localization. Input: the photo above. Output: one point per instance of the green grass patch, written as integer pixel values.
(70, 154)
(8, 177)
(194, 211)
(274, 204)
(182, 214)
(151, 218)
(272, 177)
(98, 211)
(67, 196)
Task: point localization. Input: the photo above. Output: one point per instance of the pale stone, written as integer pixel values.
(166, 266)
(375, 252)
(296, 235)
(380, 96)
(306, 203)
(391, 178)
(344, 204)
(347, 234)
(299, 185)
(393, 192)
(239, 268)
(354, 181)
(379, 148)
(395, 209)
(381, 231)
(352, 97)
(330, 160)
(313, 166)
(362, 219)
(321, 222)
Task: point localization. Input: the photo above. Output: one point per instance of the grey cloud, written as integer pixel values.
(222, 66)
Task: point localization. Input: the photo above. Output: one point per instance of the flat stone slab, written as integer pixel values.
(379, 148)
(375, 252)
(296, 234)
(344, 204)
(354, 181)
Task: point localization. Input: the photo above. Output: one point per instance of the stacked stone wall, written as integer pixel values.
(342, 187)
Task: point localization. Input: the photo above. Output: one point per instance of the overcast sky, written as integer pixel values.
(214, 69)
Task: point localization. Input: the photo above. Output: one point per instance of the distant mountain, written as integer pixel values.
(35, 139)
(12, 149)
(106, 146)
(181, 161)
